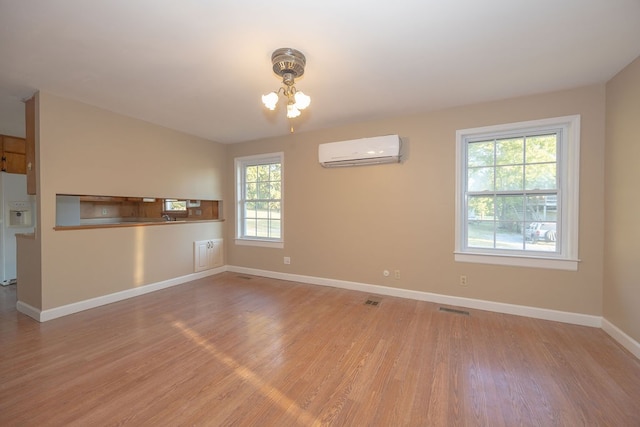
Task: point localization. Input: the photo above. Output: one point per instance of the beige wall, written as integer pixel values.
(347, 224)
(352, 223)
(86, 150)
(622, 224)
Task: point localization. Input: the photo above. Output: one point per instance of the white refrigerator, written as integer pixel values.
(16, 216)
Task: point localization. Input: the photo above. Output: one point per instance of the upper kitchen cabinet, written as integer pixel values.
(30, 148)
(13, 154)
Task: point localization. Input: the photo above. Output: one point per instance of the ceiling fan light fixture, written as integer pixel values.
(288, 64)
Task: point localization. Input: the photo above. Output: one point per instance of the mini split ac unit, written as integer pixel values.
(364, 151)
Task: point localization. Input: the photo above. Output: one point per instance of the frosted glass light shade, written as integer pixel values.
(292, 111)
(270, 100)
(302, 100)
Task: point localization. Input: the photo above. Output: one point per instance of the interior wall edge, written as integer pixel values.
(29, 310)
(621, 338)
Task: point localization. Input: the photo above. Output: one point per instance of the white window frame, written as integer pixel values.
(568, 196)
(240, 163)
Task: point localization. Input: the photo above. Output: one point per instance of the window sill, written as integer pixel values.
(519, 261)
(260, 243)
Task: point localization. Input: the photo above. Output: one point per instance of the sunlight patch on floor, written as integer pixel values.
(275, 395)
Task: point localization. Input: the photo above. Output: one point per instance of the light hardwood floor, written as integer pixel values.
(249, 351)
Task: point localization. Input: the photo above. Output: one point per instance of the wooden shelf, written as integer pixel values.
(132, 224)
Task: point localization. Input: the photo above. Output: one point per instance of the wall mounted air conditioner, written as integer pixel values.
(364, 151)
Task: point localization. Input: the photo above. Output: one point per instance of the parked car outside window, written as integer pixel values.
(541, 231)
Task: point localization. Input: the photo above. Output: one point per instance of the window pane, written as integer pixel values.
(541, 149)
(274, 229)
(263, 172)
(542, 208)
(509, 235)
(276, 172)
(263, 190)
(510, 151)
(263, 228)
(480, 179)
(251, 174)
(480, 208)
(480, 225)
(274, 190)
(510, 208)
(541, 236)
(480, 234)
(509, 178)
(262, 209)
(274, 209)
(250, 210)
(535, 208)
(251, 192)
(250, 227)
(480, 153)
(501, 221)
(541, 177)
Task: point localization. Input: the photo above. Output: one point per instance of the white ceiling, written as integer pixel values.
(201, 66)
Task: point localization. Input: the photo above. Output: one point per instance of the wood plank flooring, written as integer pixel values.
(236, 350)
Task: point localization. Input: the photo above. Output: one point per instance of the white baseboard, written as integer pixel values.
(30, 311)
(623, 339)
(64, 310)
(518, 310)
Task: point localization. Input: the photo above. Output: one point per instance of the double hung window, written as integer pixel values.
(259, 199)
(517, 193)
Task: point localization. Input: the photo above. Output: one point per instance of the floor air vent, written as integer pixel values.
(453, 310)
(372, 301)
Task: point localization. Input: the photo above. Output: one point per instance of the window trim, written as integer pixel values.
(239, 164)
(569, 176)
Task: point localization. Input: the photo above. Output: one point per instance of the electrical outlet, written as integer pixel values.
(463, 280)
(287, 260)
(396, 274)
(105, 211)
(386, 273)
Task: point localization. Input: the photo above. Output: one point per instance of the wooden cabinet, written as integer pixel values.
(105, 199)
(13, 154)
(207, 254)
